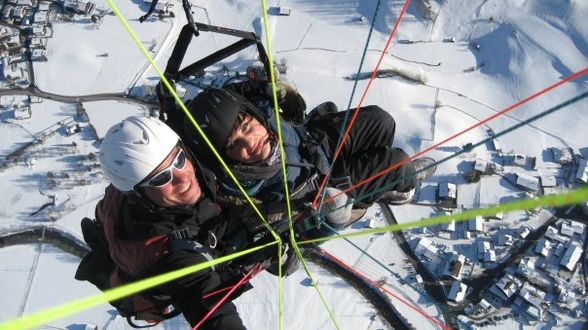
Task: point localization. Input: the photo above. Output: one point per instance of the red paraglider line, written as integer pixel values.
(381, 287)
(254, 271)
(482, 122)
(356, 111)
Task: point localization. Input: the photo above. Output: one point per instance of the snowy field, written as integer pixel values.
(471, 59)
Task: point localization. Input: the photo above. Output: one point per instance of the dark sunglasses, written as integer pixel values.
(166, 175)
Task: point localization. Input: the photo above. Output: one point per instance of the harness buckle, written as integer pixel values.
(180, 233)
(341, 183)
(313, 182)
(212, 240)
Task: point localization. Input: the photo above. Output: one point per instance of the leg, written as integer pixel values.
(373, 128)
(371, 163)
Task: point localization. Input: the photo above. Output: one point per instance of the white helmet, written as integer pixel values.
(133, 148)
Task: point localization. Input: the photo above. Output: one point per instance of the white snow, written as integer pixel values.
(500, 53)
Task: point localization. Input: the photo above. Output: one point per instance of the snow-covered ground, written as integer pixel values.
(472, 58)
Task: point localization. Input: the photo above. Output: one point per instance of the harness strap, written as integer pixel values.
(182, 239)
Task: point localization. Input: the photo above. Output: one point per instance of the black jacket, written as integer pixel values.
(141, 221)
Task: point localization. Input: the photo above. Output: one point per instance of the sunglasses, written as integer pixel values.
(166, 175)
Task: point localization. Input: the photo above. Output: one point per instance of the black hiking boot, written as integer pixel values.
(424, 168)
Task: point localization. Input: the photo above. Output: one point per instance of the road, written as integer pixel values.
(35, 91)
(431, 282)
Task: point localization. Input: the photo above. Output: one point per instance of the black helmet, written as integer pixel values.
(216, 111)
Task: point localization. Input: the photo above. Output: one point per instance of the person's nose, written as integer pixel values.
(180, 176)
(249, 143)
(245, 142)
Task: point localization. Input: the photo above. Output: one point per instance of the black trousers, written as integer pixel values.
(368, 151)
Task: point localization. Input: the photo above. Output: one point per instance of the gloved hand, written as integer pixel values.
(275, 213)
(289, 262)
(292, 105)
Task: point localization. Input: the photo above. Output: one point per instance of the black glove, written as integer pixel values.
(289, 262)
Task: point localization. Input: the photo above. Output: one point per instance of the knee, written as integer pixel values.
(380, 120)
(380, 115)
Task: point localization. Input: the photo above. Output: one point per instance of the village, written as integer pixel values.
(526, 266)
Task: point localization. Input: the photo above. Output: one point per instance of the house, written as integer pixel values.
(457, 292)
(577, 227)
(284, 11)
(72, 129)
(38, 30)
(371, 223)
(483, 248)
(533, 312)
(490, 256)
(19, 13)
(90, 8)
(10, 73)
(12, 41)
(425, 248)
(571, 257)
(524, 232)
(562, 156)
(44, 6)
(547, 179)
(79, 7)
(504, 240)
(565, 296)
(526, 266)
(506, 287)
(447, 194)
(582, 172)
(551, 233)
(30, 3)
(485, 305)
(542, 247)
(38, 42)
(448, 226)
(22, 112)
(71, 5)
(163, 8)
(6, 14)
(520, 160)
(17, 58)
(566, 229)
(41, 17)
(476, 224)
(481, 166)
(527, 182)
(532, 295)
(559, 250)
(39, 55)
(453, 268)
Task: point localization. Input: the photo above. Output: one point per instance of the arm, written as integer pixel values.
(187, 292)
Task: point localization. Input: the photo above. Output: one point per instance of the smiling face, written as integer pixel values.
(182, 189)
(248, 141)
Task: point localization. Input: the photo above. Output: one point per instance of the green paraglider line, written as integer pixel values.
(346, 117)
(189, 115)
(569, 198)
(50, 314)
(363, 97)
(39, 318)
